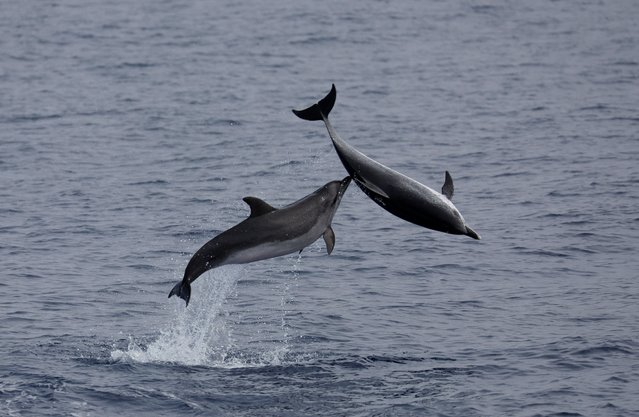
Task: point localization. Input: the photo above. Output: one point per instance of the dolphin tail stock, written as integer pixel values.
(321, 109)
(183, 290)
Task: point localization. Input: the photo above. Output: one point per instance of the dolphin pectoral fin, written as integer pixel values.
(361, 181)
(319, 110)
(329, 239)
(448, 189)
(183, 290)
(258, 207)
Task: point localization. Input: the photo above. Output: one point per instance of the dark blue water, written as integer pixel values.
(130, 131)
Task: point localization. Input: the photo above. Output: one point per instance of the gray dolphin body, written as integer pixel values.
(268, 232)
(395, 192)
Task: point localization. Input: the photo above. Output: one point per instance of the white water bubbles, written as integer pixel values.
(208, 333)
(196, 335)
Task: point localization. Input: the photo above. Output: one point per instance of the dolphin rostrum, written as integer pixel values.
(268, 232)
(395, 192)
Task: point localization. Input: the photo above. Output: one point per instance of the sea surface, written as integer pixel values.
(130, 131)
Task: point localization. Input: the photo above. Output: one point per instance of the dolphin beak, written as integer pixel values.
(344, 185)
(470, 232)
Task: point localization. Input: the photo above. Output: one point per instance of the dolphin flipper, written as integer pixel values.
(369, 185)
(319, 110)
(329, 239)
(183, 290)
(448, 189)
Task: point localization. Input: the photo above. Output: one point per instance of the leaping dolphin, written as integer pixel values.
(268, 232)
(396, 193)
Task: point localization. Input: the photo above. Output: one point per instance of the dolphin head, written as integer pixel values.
(334, 191)
(456, 223)
(331, 194)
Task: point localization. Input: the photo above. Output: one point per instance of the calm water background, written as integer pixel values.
(130, 131)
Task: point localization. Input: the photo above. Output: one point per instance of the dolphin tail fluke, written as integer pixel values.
(319, 110)
(470, 232)
(183, 290)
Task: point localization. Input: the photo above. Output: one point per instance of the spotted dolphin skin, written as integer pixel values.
(396, 193)
(268, 232)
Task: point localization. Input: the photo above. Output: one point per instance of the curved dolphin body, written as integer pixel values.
(268, 232)
(396, 193)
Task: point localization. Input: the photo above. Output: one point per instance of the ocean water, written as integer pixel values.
(130, 131)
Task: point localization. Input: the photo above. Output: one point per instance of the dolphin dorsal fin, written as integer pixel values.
(258, 207)
(448, 189)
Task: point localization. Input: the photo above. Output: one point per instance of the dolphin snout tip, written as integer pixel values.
(345, 182)
(470, 232)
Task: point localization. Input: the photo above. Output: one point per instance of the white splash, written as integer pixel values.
(197, 335)
(202, 334)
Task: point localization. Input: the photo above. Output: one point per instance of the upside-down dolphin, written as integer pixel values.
(268, 232)
(395, 192)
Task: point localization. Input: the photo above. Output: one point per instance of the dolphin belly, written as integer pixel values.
(272, 249)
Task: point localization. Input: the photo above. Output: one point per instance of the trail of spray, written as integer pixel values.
(202, 334)
(197, 335)
(286, 299)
